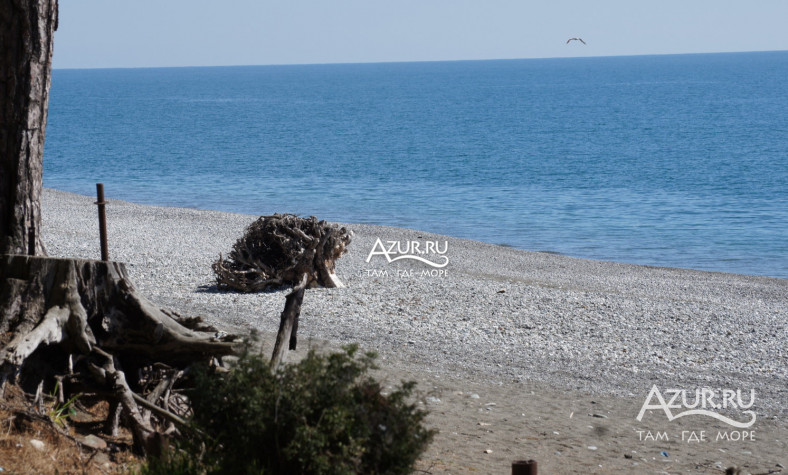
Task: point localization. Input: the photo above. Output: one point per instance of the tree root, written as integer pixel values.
(81, 322)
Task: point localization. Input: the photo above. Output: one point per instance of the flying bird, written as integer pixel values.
(575, 39)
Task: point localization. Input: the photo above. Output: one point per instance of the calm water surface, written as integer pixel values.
(664, 160)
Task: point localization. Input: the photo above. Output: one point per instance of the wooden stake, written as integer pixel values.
(524, 467)
(288, 323)
(102, 214)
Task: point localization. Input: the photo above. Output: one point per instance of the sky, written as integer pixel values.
(160, 33)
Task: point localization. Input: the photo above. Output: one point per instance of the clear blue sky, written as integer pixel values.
(110, 33)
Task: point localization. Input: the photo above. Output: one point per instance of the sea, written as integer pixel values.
(664, 160)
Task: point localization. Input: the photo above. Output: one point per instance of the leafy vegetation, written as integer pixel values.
(322, 415)
(59, 413)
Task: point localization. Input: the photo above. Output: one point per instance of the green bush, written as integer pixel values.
(324, 414)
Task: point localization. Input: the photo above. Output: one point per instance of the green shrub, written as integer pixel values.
(324, 414)
(176, 462)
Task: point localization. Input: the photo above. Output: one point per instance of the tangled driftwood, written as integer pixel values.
(277, 250)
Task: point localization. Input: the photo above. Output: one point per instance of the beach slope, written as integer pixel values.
(519, 354)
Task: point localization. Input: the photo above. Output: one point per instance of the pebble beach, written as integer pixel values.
(514, 324)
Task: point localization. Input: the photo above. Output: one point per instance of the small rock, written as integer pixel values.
(484, 423)
(474, 396)
(38, 445)
(490, 404)
(502, 291)
(79, 416)
(779, 465)
(433, 400)
(94, 442)
(627, 456)
(557, 452)
(601, 416)
(488, 451)
(592, 447)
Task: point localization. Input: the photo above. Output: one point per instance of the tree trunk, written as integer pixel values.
(26, 35)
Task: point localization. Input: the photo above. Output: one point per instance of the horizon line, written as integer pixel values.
(412, 61)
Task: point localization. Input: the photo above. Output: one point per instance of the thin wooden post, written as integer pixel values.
(102, 214)
(288, 323)
(524, 467)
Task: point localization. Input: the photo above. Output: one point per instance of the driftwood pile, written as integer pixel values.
(278, 250)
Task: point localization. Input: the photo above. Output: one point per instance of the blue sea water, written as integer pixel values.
(677, 161)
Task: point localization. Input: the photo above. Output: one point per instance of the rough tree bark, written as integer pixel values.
(26, 37)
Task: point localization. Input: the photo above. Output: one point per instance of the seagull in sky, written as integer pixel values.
(575, 39)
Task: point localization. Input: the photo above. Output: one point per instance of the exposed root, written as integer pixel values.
(81, 323)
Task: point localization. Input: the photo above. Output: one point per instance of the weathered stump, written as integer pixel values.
(56, 311)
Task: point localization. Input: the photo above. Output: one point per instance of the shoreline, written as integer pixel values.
(580, 289)
(715, 267)
(510, 322)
